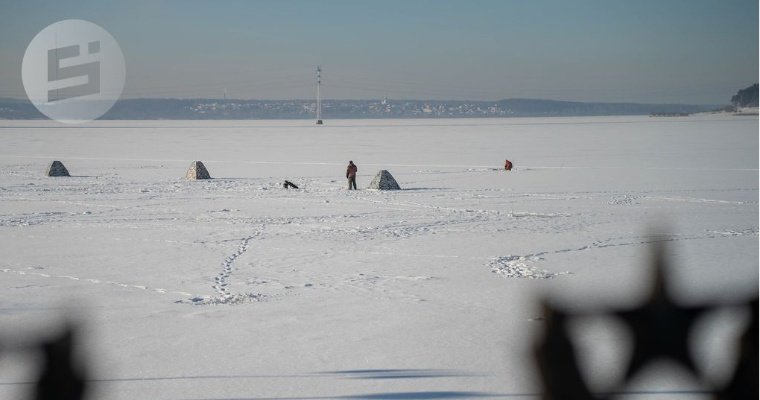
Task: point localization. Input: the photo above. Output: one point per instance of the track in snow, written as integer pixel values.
(221, 281)
(513, 266)
(29, 272)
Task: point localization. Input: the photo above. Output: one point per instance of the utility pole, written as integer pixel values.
(319, 99)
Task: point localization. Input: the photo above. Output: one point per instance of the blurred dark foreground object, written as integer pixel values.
(61, 378)
(661, 329)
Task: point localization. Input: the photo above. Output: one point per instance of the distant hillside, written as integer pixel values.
(349, 109)
(747, 97)
(530, 107)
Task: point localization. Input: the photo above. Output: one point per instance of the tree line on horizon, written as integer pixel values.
(747, 97)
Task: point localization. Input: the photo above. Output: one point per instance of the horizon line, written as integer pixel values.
(26, 99)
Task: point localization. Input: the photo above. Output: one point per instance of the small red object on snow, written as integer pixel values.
(508, 165)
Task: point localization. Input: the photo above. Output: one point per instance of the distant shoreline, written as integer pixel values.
(216, 109)
(351, 123)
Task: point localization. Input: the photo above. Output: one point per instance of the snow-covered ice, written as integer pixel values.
(235, 288)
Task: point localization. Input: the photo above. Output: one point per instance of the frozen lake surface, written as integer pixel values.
(420, 293)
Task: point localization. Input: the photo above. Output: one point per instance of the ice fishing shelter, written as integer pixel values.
(384, 181)
(197, 171)
(57, 168)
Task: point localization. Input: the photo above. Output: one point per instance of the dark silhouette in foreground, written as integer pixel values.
(60, 377)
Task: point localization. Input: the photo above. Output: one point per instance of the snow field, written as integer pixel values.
(237, 288)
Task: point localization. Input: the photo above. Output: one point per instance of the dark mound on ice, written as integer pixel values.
(57, 168)
(197, 171)
(384, 181)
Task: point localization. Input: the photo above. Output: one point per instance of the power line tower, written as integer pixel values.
(319, 99)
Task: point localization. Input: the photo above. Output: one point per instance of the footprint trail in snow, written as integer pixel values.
(221, 281)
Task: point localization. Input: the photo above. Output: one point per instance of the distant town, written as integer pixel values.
(199, 109)
(349, 109)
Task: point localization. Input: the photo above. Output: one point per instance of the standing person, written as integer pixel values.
(351, 174)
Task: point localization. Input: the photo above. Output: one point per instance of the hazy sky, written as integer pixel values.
(685, 51)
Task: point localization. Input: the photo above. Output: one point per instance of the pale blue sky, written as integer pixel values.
(685, 51)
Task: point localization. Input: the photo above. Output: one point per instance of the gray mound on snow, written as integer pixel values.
(384, 181)
(197, 171)
(57, 168)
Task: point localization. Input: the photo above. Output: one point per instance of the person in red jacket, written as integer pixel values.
(351, 174)
(508, 165)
